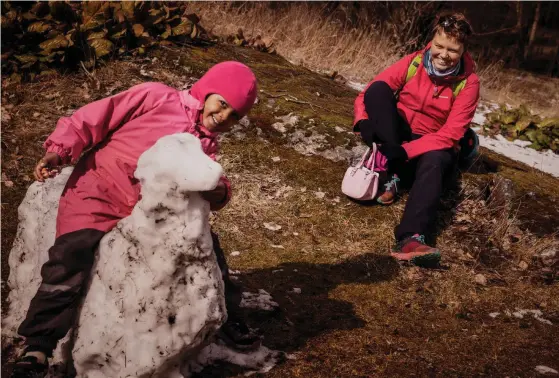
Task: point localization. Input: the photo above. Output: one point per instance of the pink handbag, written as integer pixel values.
(361, 182)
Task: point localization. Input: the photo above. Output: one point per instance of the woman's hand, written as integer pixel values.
(47, 167)
(393, 152)
(215, 197)
(395, 155)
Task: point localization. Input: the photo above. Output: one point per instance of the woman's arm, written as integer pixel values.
(91, 123)
(458, 121)
(394, 76)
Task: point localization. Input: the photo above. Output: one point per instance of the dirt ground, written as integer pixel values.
(358, 313)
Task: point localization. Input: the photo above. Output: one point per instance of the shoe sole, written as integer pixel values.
(422, 259)
(385, 203)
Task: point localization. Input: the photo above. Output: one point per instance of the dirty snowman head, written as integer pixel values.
(176, 164)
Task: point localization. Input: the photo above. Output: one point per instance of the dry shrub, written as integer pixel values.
(305, 36)
(491, 75)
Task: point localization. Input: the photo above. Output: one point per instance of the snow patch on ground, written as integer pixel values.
(260, 361)
(545, 370)
(545, 161)
(259, 301)
(521, 313)
(360, 87)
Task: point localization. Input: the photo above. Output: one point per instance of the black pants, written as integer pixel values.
(427, 171)
(53, 310)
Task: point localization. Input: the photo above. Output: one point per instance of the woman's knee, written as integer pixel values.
(439, 158)
(379, 90)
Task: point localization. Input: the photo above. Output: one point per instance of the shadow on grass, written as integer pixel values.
(305, 316)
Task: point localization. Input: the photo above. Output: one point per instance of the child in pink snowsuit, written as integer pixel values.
(102, 189)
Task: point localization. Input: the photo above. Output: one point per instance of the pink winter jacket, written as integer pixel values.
(118, 129)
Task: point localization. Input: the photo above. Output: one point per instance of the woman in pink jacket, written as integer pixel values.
(419, 110)
(113, 133)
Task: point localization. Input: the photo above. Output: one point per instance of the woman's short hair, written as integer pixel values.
(454, 25)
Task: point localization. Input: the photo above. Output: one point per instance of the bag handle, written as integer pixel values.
(371, 157)
(371, 161)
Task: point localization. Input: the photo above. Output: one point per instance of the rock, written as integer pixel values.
(288, 120)
(157, 294)
(480, 279)
(279, 127)
(501, 195)
(523, 265)
(549, 256)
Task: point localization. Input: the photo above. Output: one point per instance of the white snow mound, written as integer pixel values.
(156, 293)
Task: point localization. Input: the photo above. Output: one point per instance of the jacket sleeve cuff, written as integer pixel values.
(221, 204)
(409, 148)
(62, 152)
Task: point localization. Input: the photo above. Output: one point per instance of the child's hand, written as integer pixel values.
(216, 196)
(47, 167)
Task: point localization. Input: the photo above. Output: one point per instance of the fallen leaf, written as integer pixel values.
(138, 29)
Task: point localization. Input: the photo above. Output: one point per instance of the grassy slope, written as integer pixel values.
(359, 314)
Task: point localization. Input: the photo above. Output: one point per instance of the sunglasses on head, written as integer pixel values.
(448, 22)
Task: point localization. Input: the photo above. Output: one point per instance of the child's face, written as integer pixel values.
(218, 115)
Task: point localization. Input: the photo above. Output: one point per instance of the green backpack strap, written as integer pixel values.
(457, 87)
(412, 70)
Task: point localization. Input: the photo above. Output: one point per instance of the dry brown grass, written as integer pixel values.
(305, 36)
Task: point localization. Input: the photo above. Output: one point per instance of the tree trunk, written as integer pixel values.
(520, 30)
(553, 69)
(533, 30)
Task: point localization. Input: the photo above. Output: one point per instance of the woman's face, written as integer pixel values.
(218, 115)
(445, 51)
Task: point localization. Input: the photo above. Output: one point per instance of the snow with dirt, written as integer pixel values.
(156, 295)
(545, 161)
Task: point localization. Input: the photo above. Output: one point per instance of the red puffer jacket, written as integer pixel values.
(428, 105)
